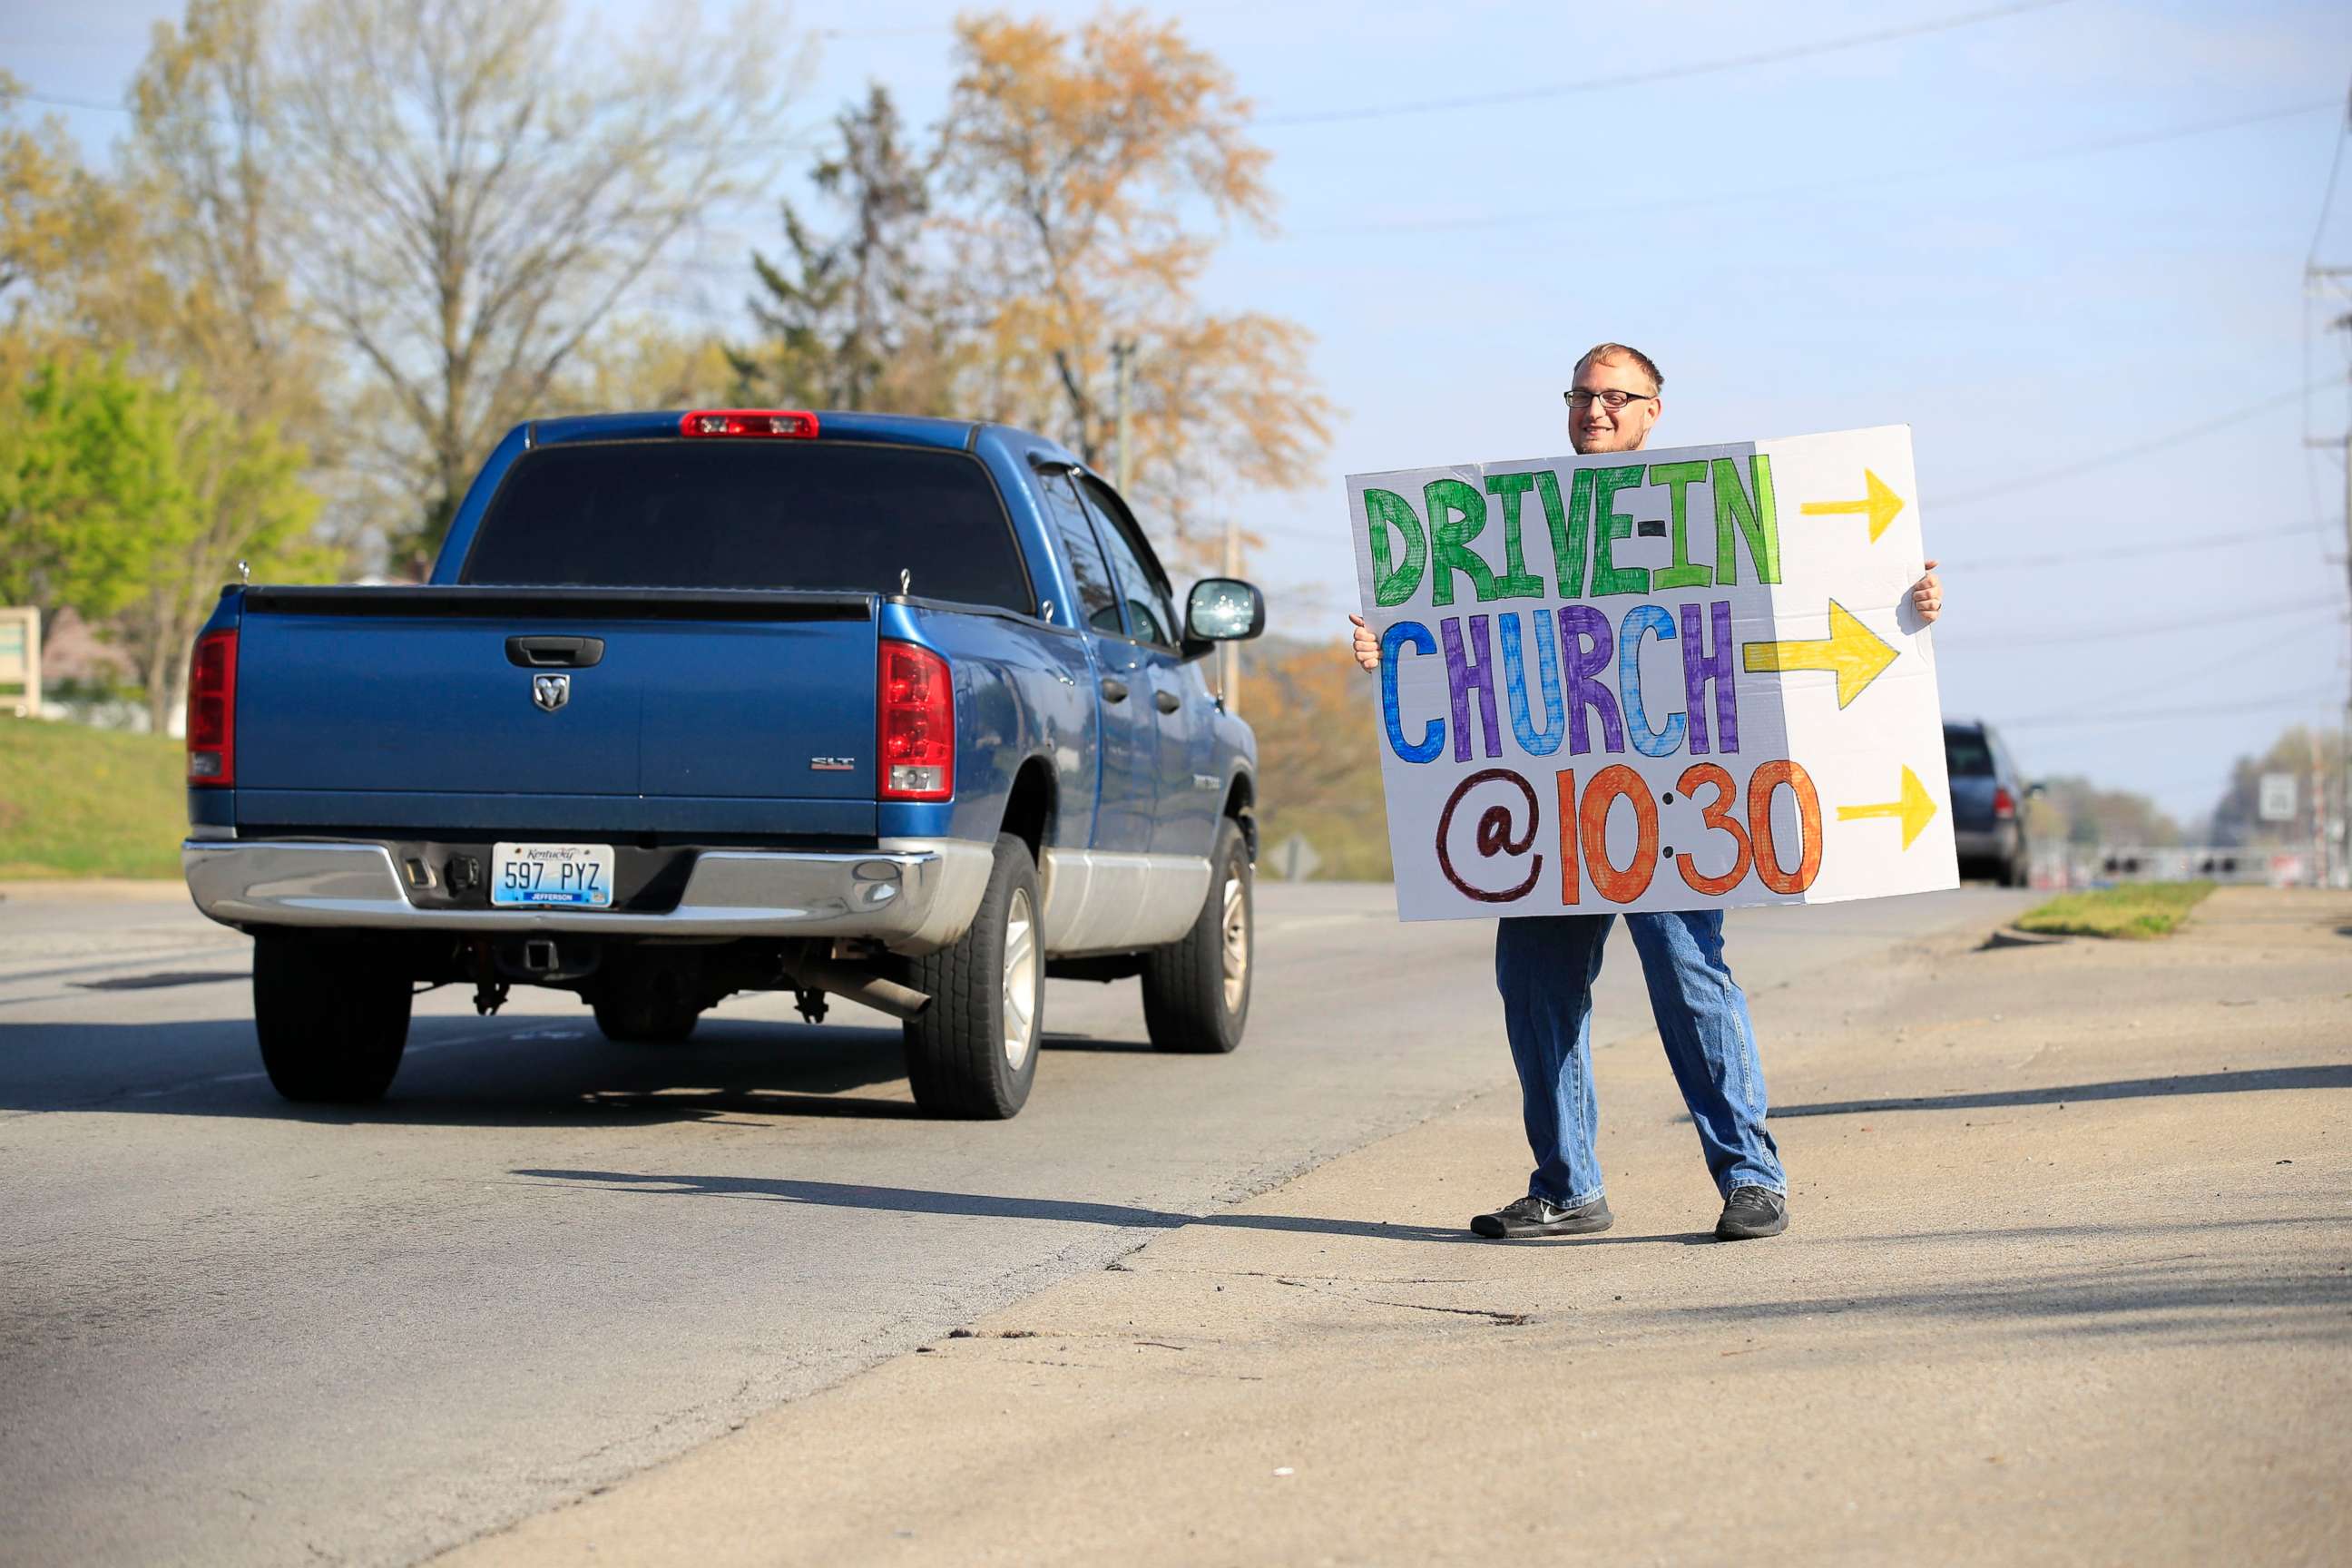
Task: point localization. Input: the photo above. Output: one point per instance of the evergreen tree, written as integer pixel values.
(852, 320)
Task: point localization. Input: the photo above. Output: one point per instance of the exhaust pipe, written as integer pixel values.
(868, 990)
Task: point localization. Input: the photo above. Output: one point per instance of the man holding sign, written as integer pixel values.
(1466, 832)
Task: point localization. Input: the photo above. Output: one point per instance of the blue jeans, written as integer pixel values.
(1545, 965)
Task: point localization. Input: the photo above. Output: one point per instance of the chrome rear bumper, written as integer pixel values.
(914, 895)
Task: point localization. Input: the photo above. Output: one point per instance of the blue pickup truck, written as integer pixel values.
(889, 709)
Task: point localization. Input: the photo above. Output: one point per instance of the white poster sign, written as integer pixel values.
(2277, 801)
(1669, 679)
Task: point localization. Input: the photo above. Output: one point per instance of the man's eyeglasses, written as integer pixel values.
(1613, 399)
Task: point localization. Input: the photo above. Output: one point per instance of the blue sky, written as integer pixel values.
(1997, 233)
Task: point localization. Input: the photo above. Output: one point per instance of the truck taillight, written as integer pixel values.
(788, 422)
(916, 695)
(2005, 804)
(212, 710)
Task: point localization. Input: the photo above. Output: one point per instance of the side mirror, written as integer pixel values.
(2035, 791)
(1221, 609)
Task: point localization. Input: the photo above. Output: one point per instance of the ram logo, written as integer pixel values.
(550, 691)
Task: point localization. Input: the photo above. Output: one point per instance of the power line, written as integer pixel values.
(1663, 73)
(2167, 547)
(2173, 684)
(1813, 188)
(2136, 449)
(2155, 715)
(2330, 605)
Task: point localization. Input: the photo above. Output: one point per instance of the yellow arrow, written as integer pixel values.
(1914, 809)
(1859, 655)
(1878, 504)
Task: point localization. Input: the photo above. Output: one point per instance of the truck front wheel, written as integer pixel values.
(1196, 992)
(972, 1053)
(333, 1019)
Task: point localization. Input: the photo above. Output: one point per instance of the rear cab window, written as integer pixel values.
(1966, 755)
(771, 514)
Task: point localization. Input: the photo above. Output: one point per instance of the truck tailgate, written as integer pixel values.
(696, 697)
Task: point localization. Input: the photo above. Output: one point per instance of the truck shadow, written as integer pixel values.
(989, 1206)
(517, 1072)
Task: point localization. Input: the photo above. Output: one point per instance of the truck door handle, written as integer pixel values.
(1114, 690)
(1167, 701)
(555, 653)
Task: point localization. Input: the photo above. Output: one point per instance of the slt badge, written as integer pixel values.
(550, 691)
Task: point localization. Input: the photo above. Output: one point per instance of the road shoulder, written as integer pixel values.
(2067, 1280)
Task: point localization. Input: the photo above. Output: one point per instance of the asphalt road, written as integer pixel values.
(235, 1330)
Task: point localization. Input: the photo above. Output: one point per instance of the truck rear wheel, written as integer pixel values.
(1196, 992)
(972, 1053)
(332, 1016)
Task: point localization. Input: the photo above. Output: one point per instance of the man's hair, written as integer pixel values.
(1599, 351)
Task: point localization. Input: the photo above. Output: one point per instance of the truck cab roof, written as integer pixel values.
(904, 429)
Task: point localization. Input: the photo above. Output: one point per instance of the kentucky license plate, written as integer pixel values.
(569, 875)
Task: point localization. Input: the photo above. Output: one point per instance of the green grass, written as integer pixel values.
(77, 802)
(2140, 909)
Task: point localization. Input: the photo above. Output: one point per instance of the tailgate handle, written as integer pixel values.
(1114, 690)
(1167, 701)
(555, 653)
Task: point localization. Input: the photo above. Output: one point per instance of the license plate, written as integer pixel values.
(577, 876)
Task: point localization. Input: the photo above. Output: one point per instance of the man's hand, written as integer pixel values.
(1367, 647)
(1926, 598)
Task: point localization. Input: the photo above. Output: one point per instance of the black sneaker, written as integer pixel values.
(1533, 1215)
(1750, 1213)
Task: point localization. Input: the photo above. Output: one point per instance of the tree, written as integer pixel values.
(88, 482)
(56, 219)
(210, 292)
(2237, 815)
(856, 322)
(242, 499)
(473, 195)
(1079, 164)
(2080, 812)
(1316, 717)
(643, 363)
(130, 500)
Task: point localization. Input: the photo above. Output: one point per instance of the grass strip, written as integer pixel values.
(2137, 911)
(77, 802)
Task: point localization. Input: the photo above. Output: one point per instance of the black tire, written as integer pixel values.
(963, 1058)
(2017, 870)
(333, 1018)
(1193, 999)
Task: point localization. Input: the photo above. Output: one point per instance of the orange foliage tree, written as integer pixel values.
(1077, 165)
(1317, 717)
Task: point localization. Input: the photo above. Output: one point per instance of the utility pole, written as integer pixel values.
(1122, 360)
(2329, 286)
(2342, 844)
(2336, 836)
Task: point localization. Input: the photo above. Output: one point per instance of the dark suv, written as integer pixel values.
(1988, 804)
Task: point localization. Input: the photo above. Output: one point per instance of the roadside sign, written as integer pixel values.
(1295, 859)
(2277, 801)
(20, 661)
